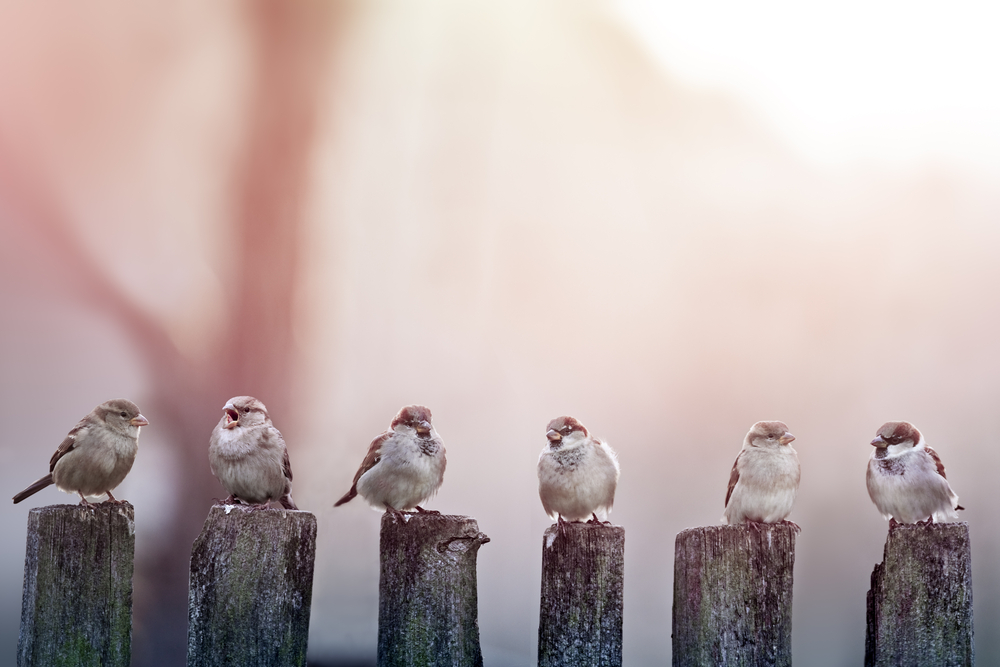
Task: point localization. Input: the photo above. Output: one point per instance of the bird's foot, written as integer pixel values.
(892, 522)
(794, 525)
(399, 515)
(421, 510)
(85, 502)
(113, 501)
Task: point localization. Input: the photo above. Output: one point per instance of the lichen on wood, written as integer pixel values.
(733, 595)
(251, 588)
(76, 608)
(428, 599)
(583, 581)
(920, 601)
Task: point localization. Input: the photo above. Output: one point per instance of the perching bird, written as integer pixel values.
(97, 454)
(906, 477)
(577, 473)
(765, 476)
(249, 456)
(404, 466)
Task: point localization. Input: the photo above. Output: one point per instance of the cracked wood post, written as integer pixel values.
(920, 602)
(428, 607)
(733, 595)
(583, 581)
(251, 588)
(77, 603)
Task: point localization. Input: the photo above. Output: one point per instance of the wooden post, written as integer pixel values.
(733, 595)
(583, 582)
(920, 602)
(428, 608)
(251, 588)
(77, 602)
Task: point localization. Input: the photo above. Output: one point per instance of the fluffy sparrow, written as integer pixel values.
(577, 473)
(765, 477)
(97, 454)
(404, 466)
(906, 477)
(249, 456)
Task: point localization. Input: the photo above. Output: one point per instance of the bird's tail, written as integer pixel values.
(347, 496)
(34, 488)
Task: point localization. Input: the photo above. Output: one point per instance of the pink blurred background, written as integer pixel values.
(668, 223)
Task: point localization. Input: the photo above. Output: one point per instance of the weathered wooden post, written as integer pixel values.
(920, 602)
(733, 595)
(428, 607)
(251, 588)
(583, 583)
(77, 602)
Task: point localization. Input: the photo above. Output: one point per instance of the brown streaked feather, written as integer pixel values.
(940, 467)
(374, 456)
(937, 461)
(65, 447)
(286, 466)
(734, 477)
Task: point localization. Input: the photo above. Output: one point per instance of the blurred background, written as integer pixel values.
(667, 219)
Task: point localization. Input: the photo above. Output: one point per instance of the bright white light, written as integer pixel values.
(882, 80)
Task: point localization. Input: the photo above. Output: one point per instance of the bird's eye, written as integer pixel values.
(123, 414)
(246, 409)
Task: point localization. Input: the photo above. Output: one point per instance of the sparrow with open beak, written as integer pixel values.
(577, 473)
(765, 476)
(906, 477)
(97, 454)
(404, 466)
(248, 455)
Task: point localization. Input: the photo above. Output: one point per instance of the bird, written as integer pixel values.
(96, 454)
(765, 476)
(906, 478)
(577, 473)
(404, 466)
(248, 455)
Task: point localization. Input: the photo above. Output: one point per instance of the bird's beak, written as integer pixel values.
(553, 436)
(232, 416)
(423, 428)
(879, 442)
(139, 421)
(787, 438)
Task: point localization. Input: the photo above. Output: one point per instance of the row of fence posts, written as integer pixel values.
(252, 573)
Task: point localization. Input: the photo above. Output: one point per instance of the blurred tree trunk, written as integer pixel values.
(289, 44)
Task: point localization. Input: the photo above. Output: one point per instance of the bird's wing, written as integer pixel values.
(287, 466)
(937, 461)
(67, 445)
(373, 456)
(734, 477)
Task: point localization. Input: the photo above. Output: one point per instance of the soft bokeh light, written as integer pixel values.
(667, 220)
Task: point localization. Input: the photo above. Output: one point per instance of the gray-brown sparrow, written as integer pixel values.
(404, 466)
(97, 454)
(577, 473)
(249, 456)
(906, 477)
(765, 477)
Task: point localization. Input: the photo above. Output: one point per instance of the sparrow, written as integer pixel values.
(404, 466)
(97, 454)
(906, 477)
(577, 473)
(765, 476)
(249, 456)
